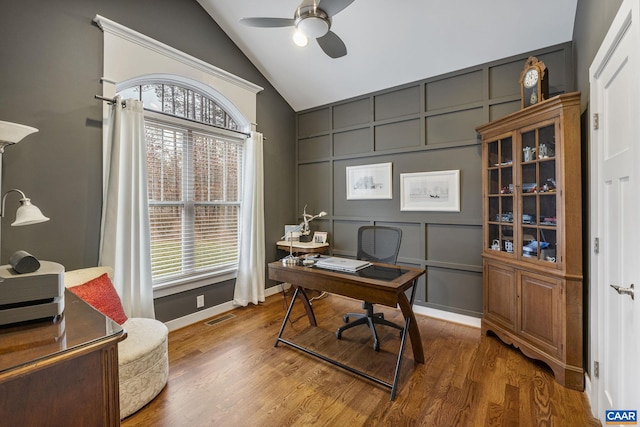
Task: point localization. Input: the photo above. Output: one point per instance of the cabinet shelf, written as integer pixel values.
(532, 253)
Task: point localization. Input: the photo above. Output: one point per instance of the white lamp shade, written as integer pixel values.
(14, 132)
(28, 214)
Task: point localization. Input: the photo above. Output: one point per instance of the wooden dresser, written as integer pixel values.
(62, 371)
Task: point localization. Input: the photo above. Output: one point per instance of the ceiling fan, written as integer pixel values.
(312, 19)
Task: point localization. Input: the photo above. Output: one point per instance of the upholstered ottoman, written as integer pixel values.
(143, 361)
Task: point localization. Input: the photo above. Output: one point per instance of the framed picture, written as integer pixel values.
(292, 232)
(369, 182)
(430, 191)
(320, 237)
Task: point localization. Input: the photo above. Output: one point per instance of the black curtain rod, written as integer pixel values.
(109, 100)
(113, 101)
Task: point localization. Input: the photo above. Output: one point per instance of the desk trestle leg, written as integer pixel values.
(393, 386)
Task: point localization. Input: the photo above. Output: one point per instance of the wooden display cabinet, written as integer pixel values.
(532, 234)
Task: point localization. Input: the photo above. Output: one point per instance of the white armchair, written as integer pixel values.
(143, 361)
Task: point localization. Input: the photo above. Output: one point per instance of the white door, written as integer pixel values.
(615, 216)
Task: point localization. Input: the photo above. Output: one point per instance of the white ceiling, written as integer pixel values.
(390, 42)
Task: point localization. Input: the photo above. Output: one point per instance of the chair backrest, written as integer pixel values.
(379, 244)
(83, 275)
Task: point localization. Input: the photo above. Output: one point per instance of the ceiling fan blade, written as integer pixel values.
(332, 7)
(332, 45)
(268, 22)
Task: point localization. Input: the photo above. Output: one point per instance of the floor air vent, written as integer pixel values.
(220, 319)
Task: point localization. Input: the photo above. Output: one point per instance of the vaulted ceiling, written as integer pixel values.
(390, 42)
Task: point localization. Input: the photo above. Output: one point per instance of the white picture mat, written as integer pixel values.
(430, 191)
(369, 182)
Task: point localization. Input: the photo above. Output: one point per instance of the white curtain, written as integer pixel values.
(125, 240)
(250, 282)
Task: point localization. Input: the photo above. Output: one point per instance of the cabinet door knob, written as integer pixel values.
(624, 291)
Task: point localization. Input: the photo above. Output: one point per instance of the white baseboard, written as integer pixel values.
(587, 386)
(588, 391)
(448, 316)
(199, 316)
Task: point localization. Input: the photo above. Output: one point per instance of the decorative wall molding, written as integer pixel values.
(129, 55)
(109, 26)
(423, 126)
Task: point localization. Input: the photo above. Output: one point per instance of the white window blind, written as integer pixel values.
(194, 180)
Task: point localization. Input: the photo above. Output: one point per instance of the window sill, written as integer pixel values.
(186, 284)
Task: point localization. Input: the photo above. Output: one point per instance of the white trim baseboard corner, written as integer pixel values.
(447, 316)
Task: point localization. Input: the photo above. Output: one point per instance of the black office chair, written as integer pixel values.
(376, 244)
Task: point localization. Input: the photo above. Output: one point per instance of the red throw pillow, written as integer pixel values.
(101, 295)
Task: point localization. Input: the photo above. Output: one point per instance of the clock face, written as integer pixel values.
(530, 78)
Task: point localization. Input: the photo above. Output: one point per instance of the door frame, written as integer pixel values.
(626, 20)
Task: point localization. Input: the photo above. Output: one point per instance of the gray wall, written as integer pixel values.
(424, 126)
(51, 56)
(593, 18)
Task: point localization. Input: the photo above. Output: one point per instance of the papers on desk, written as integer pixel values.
(342, 264)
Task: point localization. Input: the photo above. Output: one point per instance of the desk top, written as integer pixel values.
(79, 326)
(378, 283)
(302, 245)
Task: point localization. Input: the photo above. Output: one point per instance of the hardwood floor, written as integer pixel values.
(230, 374)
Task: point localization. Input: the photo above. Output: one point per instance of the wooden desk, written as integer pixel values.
(379, 284)
(303, 247)
(62, 371)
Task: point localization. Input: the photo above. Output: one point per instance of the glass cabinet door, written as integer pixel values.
(538, 201)
(500, 194)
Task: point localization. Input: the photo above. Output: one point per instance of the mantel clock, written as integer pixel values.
(534, 82)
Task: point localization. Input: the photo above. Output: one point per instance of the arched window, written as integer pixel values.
(181, 101)
(194, 166)
(193, 108)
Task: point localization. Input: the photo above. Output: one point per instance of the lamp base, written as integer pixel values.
(305, 239)
(290, 260)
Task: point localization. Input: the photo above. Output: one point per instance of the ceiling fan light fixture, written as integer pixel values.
(313, 26)
(310, 21)
(299, 38)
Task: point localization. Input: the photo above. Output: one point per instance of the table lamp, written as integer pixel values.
(12, 133)
(27, 213)
(304, 230)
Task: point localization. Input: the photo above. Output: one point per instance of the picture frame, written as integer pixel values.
(320, 237)
(369, 182)
(291, 232)
(430, 191)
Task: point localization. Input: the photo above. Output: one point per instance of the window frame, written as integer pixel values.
(218, 274)
(195, 280)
